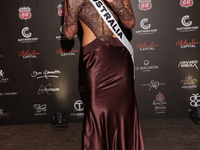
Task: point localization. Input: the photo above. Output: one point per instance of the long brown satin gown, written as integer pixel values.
(111, 115)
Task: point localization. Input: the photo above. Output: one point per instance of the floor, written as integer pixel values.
(158, 134)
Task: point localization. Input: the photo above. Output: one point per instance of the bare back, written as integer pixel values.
(91, 22)
(93, 25)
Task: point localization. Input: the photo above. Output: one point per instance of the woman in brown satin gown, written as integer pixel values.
(111, 115)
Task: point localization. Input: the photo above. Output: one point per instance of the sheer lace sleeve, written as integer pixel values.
(123, 9)
(70, 26)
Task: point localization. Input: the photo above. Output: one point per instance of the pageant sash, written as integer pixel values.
(113, 25)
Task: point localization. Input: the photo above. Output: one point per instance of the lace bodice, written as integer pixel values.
(93, 20)
(87, 13)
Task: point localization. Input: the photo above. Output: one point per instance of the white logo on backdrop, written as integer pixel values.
(189, 82)
(79, 105)
(188, 64)
(144, 25)
(45, 74)
(195, 100)
(146, 67)
(146, 62)
(78, 109)
(47, 89)
(8, 94)
(153, 84)
(1, 73)
(27, 36)
(40, 108)
(2, 78)
(187, 23)
(146, 28)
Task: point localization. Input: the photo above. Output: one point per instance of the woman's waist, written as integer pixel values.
(96, 42)
(89, 38)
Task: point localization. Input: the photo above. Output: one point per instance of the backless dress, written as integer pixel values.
(111, 117)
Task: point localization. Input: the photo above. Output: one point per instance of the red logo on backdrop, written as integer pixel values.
(145, 47)
(65, 52)
(145, 4)
(186, 3)
(1, 55)
(186, 44)
(26, 54)
(60, 10)
(25, 13)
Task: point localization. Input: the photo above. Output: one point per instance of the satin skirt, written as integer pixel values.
(111, 116)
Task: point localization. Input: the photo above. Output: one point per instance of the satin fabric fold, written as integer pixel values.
(111, 117)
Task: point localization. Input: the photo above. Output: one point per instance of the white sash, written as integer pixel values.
(113, 24)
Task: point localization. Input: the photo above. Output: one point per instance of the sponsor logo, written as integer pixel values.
(3, 114)
(186, 44)
(146, 28)
(79, 105)
(27, 36)
(189, 82)
(186, 3)
(188, 64)
(25, 13)
(45, 74)
(78, 109)
(195, 100)
(153, 84)
(145, 47)
(187, 25)
(62, 37)
(185, 21)
(40, 109)
(65, 52)
(160, 104)
(144, 4)
(60, 10)
(25, 54)
(1, 74)
(146, 67)
(8, 94)
(47, 89)
(0, 54)
(2, 78)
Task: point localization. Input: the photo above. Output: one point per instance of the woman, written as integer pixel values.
(111, 118)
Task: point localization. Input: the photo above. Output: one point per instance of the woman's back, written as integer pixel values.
(91, 18)
(92, 23)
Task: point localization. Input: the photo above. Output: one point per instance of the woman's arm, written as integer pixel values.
(123, 9)
(70, 26)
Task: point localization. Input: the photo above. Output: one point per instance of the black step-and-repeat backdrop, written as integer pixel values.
(39, 66)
